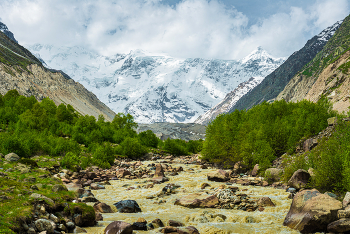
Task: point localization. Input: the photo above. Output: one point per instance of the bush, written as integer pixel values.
(148, 138)
(175, 146)
(132, 148)
(69, 161)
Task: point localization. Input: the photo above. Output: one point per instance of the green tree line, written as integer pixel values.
(30, 127)
(263, 133)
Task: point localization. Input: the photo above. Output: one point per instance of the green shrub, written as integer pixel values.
(70, 161)
(175, 146)
(148, 138)
(132, 148)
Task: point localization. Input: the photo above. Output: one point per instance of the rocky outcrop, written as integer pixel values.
(118, 227)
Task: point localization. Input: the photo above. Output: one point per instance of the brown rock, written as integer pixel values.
(159, 171)
(204, 185)
(341, 225)
(172, 230)
(312, 211)
(141, 220)
(73, 187)
(197, 200)
(346, 199)
(299, 179)
(160, 179)
(261, 209)
(118, 227)
(157, 223)
(192, 230)
(122, 172)
(265, 201)
(255, 170)
(98, 216)
(102, 208)
(218, 176)
(174, 223)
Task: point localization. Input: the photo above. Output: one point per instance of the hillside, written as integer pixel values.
(326, 75)
(21, 70)
(274, 83)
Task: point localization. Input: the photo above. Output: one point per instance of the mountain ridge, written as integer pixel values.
(156, 88)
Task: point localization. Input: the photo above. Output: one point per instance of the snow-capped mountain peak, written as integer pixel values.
(156, 87)
(8, 33)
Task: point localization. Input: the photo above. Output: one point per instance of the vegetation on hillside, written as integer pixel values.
(30, 127)
(263, 133)
(335, 47)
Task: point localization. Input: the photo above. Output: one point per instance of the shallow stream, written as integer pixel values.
(205, 220)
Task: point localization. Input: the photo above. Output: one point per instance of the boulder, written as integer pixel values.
(157, 223)
(44, 225)
(37, 196)
(142, 226)
(218, 176)
(118, 227)
(273, 174)
(198, 200)
(168, 229)
(127, 206)
(98, 216)
(299, 179)
(159, 171)
(59, 187)
(255, 170)
(12, 157)
(79, 230)
(312, 211)
(346, 199)
(95, 186)
(341, 225)
(73, 187)
(174, 223)
(265, 201)
(122, 172)
(102, 208)
(309, 144)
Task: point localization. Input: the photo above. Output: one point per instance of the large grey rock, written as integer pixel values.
(127, 206)
(12, 157)
(312, 211)
(44, 225)
(118, 227)
(299, 179)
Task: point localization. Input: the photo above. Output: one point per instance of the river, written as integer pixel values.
(205, 220)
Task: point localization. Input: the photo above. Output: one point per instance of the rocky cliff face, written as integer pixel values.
(20, 70)
(229, 101)
(156, 88)
(7, 32)
(274, 83)
(327, 75)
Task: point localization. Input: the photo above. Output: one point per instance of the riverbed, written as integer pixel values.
(206, 220)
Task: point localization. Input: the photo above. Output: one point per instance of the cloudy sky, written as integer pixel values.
(225, 29)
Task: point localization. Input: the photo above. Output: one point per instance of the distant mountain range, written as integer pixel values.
(156, 88)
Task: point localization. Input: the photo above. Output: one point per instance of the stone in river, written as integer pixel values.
(127, 206)
(312, 211)
(118, 227)
(102, 208)
(265, 201)
(159, 171)
(341, 225)
(139, 226)
(192, 230)
(157, 223)
(198, 200)
(174, 223)
(218, 176)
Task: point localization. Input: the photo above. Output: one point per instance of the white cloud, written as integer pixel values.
(192, 28)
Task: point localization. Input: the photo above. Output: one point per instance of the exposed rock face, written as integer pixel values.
(274, 83)
(327, 75)
(118, 227)
(24, 72)
(41, 83)
(7, 32)
(312, 211)
(299, 179)
(198, 200)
